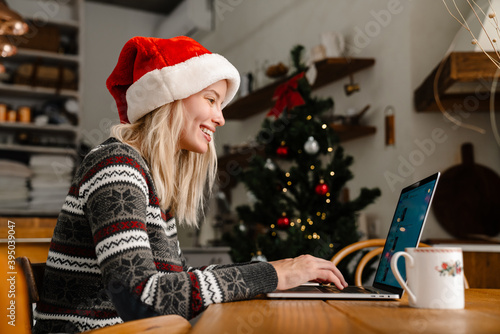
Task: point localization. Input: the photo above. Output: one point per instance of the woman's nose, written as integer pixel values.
(218, 118)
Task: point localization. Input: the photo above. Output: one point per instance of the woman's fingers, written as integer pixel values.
(299, 270)
(331, 278)
(333, 274)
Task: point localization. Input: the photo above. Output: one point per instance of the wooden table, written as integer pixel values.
(481, 315)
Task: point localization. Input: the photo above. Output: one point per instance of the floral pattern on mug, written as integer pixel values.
(450, 269)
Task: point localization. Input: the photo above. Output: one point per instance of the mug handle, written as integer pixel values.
(399, 278)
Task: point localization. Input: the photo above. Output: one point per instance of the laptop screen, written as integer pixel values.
(406, 229)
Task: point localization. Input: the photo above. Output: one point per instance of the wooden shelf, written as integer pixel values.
(23, 91)
(345, 133)
(23, 213)
(464, 76)
(63, 139)
(39, 149)
(33, 235)
(28, 55)
(64, 24)
(64, 128)
(28, 226)
(329, 70)
(351, 132)
(229, 163)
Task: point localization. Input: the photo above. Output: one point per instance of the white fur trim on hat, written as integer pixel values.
(161, 86)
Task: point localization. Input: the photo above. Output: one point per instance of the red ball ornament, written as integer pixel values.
(282, 151)
(321, 189)
(283, 222)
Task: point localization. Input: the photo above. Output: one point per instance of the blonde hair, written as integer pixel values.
(181, 178)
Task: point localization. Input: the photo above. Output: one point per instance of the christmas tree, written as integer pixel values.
(296, 187)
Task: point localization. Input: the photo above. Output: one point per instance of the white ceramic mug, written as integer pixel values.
(334, 44)
(435, 277)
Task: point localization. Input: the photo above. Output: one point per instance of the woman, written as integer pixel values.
(114, 255)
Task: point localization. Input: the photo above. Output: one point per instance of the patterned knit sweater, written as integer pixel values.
(115, 256)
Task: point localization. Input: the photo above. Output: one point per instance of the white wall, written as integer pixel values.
(407, 39)
(107, 28)
(407, 45)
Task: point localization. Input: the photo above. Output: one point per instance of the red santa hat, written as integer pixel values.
(152, 72)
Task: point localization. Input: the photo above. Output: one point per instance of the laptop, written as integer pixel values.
(405, 231)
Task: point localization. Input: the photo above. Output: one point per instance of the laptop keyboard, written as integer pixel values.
(349, 289)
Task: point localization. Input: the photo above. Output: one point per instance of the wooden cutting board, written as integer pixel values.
(467, 199)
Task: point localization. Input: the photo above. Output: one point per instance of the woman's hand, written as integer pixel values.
(305, 268)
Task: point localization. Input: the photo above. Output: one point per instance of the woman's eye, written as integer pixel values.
(212, 101)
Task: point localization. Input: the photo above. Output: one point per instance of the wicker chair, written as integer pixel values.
(33, 274)
(376, 246)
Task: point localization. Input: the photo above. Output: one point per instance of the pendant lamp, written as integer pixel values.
(7, 49)
(11, 23)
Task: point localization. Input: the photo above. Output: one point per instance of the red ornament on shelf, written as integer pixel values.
(322, 188)
(282, 151)
(283, 222)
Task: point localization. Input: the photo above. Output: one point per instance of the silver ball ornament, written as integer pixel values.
(311, 146)
(270, 165)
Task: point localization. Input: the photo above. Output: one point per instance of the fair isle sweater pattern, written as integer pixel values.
(115, 256)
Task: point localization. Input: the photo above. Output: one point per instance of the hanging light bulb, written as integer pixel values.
(7, 49)
(11, 23)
